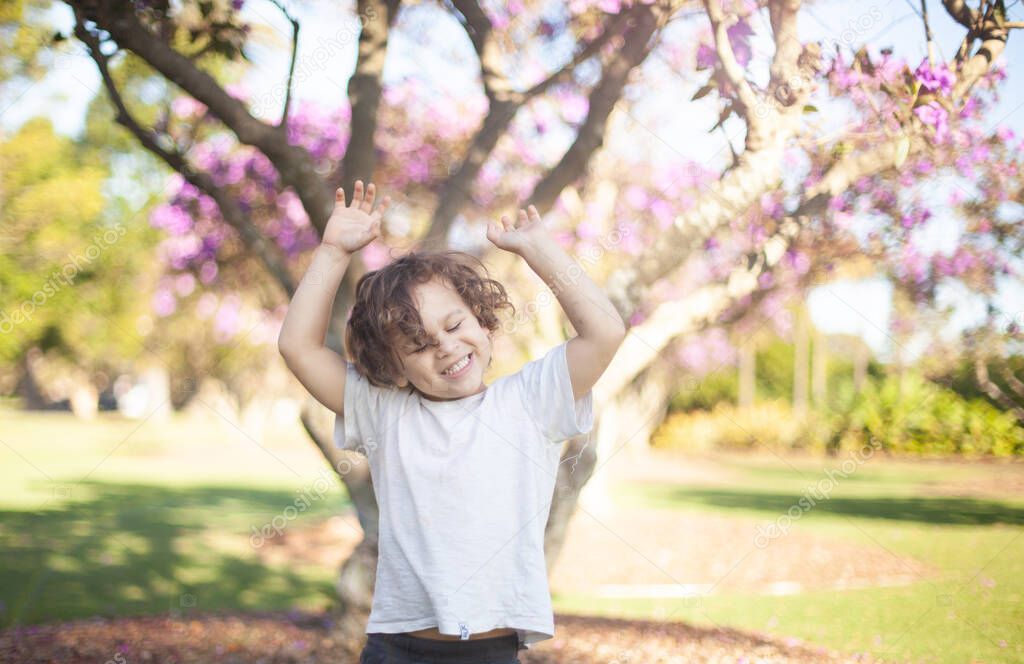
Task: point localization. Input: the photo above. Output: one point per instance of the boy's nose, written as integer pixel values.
(448, 347)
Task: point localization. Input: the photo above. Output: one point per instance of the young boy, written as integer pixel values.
(464, 472)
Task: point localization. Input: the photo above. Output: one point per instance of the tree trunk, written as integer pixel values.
(27, 387)
(359, 571)
(994, 392)
(624, 427)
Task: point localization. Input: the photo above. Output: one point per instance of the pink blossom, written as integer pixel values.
(375, 255)
(636, 197)
(164, 303)
(935, 78)
(934, 115)
(185, 284)
(970, 107)
(227, 321)
(663, 213)
(706, 57)
(208, 272)
(841, 75)
(574, 108)
(187, 107)
(739, 38)
(585, 230)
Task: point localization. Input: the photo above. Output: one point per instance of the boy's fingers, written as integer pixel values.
(357, 193)
(339, 195)
(371, 193)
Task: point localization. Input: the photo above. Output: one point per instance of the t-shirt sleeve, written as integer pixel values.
(546, 391)
(355, 429)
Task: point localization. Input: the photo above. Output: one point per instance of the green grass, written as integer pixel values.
(974, 612)
(117, 517)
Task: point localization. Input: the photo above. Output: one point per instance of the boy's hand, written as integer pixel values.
(351, 228)
(516, 235)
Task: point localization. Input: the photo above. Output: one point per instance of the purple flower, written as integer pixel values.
(935, 78)
(706, 57)
(842, 75)
(934, 115)
(739, 39)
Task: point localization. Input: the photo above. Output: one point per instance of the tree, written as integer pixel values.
(60, 263)
(681, 248)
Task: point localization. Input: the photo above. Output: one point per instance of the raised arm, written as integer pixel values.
(301, 341)
(599, 327)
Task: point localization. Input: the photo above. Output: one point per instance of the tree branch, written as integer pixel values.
(961, 13)
(602, 99)
(994, 392)
(758, 170)
(293, 163)
(720, 25)
(232, 213)
(928, 33)
(1015, 383)
(503, 107)
(291, 65)
(364, 91)
(479, 28)
(993, 43)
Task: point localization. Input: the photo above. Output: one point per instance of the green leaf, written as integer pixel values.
(810, 108)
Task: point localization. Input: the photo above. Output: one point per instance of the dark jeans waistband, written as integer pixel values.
(468, 650)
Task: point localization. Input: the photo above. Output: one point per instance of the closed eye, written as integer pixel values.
(422, 348)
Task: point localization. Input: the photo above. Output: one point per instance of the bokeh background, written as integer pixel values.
(808, 448)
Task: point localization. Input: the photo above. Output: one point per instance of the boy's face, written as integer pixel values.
(448, 321)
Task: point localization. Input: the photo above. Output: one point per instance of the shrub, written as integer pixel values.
(917, 418)
(766, 425)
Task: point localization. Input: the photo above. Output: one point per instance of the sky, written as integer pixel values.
(326, 59)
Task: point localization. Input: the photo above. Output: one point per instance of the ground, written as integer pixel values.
(296, 638)
(151, 530)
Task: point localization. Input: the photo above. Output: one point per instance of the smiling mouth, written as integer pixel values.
(466, 362)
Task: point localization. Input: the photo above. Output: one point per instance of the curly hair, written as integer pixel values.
(384, 311)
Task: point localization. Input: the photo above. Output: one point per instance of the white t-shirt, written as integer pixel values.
(464, 489)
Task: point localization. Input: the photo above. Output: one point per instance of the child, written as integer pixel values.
(464, 472)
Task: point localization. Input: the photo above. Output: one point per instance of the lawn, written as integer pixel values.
(971, 612)
(121, 518)
(118, 517)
